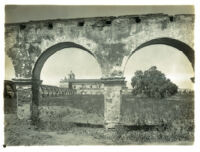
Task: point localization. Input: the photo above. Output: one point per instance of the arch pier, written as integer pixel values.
(112, 100)
(28, 97)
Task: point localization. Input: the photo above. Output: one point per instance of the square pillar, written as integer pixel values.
(28, 96)
(24, 98)
(35, 100)
(112, 101)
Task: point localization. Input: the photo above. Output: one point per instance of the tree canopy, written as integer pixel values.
(152, 83)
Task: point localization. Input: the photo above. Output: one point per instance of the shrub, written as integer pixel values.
(152, 83)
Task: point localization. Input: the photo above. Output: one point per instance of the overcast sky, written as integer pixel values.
(84, 65)
(25, 13)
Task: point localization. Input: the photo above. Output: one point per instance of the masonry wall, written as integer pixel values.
(110, 39)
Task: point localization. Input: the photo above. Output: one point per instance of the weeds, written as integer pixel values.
(144, 121)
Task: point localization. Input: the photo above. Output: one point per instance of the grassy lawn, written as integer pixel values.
(80, 122)
(152, 111)
(158, 120)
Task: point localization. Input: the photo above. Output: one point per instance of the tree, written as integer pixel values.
(152, 83)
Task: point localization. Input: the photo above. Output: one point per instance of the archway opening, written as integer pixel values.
(172, 62)
(177, 63)
(179, 45)
(59, 65)
(63, 94)
(49, 52)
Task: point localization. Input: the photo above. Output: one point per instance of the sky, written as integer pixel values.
(83, 64)
(16, 13)
(179, 71)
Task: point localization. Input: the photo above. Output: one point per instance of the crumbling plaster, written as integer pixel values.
(110, 39)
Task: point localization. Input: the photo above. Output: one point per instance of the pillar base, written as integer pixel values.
(111, 125)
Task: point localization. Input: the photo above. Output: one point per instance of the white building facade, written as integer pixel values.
(82, 86)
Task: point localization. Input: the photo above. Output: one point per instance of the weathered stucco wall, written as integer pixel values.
(110, 39)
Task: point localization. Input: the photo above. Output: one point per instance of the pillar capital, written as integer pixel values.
(22, 81)
(114, 80)
(26, 81)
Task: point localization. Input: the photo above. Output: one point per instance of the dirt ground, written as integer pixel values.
(168, 121)
(18, 132)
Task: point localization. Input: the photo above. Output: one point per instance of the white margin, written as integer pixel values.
(193, 148)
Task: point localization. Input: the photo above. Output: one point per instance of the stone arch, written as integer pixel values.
(36, 82)
(50, 51)
(181, 46)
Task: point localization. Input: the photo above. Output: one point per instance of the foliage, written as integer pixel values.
(152, 83)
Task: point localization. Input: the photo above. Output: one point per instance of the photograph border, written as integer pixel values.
(154, 148)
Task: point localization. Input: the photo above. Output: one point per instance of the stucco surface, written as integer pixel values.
(110, 39)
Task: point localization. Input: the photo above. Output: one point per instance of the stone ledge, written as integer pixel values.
(102, 18)
(113, 80)
(26, 81)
